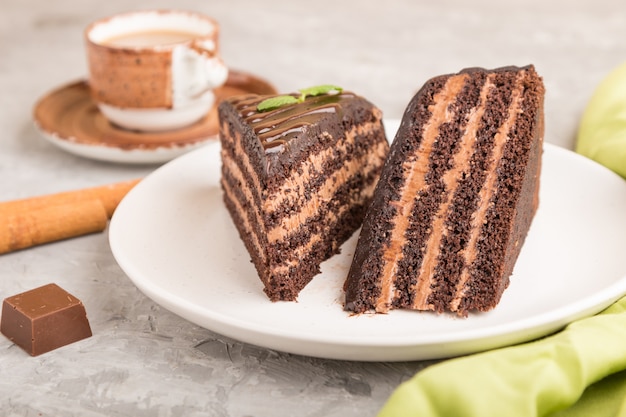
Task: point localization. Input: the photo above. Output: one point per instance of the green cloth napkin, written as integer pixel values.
(602, 130)
(534, 379)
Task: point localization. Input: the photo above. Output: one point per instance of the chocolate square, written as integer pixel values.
(43, 319)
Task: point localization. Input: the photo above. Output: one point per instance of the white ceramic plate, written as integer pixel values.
(174, 238)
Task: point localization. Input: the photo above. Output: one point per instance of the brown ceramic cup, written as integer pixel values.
(154, 70)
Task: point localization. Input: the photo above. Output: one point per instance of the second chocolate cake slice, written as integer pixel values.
(297, 179)
(456, 196)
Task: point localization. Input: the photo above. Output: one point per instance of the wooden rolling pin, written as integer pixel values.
(33, 221)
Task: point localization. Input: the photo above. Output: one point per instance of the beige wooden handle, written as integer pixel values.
(33, 221)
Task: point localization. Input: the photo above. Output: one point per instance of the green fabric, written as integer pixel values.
(533, 379)
(604, 398)
(602, 130)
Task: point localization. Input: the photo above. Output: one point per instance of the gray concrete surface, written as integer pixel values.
(143, 360)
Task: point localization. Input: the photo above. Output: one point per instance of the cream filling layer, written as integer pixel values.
(296, 255)
(325, 193)
(290, 191)
(451, 180)
(488, 191)
(231, 167)
(330, 218)
(241, 155)
(416, 167)
(234, 169)
(247, 226)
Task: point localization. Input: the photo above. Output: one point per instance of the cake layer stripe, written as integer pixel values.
(243, 192)
(245, 224)
(415, 180)
(343, 227)
(297, 255)
(332, 219)
(327, 190)
(316, 166)
(516, 199)
(460, 165)
(487, 192)
(318, 244)
(244, 198)
(319, 221)
(241, 158)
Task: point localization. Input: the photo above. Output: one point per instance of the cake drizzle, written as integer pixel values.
(277, 127)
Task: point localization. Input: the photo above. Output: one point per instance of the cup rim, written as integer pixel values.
(105, 20)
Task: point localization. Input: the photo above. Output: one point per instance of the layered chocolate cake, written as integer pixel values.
(456, 196)
(298, 178)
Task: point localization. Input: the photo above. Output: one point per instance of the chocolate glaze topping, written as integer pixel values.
(277, 127)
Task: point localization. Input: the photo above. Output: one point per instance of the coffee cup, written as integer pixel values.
(154, 70)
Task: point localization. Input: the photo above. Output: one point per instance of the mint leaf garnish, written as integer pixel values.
(276, 102)
(319, 90)
(279, 101)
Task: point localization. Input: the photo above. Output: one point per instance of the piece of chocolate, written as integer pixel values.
(43, 319)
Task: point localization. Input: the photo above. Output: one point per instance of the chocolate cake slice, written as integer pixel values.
(297, 180)
(456, 196)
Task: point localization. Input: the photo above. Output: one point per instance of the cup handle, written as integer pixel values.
(199, 70)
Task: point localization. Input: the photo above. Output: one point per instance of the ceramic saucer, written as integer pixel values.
(70, 119)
